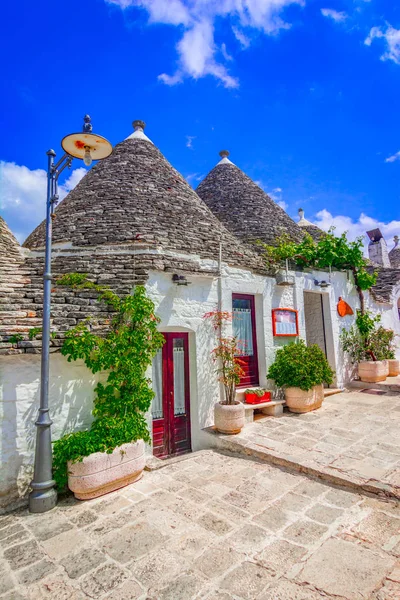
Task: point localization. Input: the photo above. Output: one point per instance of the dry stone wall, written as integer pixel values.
(243, 207)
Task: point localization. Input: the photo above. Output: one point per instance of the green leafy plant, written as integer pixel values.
(257, 391)
(354, 345)
(125, 351)
(301, 366)
(329, 251)
(385, 346)
(226, 355)
(14, 339)
(38, 330)
(366, 341)
(34, 332)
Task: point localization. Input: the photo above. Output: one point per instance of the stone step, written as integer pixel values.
(391, 384)
(245, 446)
(332, 392)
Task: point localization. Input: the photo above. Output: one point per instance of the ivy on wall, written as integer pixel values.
(124, 351)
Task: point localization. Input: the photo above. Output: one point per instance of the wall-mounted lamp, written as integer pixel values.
(180, 280)
(322, 284)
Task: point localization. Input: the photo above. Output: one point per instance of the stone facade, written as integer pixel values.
(134, 219)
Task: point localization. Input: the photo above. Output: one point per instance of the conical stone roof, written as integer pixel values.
(136, 194)
(394, 254)
(10, 250)
(242, 206)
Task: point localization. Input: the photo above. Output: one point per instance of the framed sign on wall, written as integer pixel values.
(285, 322)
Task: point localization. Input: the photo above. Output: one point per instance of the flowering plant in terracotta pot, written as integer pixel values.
(229, 414)
(111, 453)
(301, 370)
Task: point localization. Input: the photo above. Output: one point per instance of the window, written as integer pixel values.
(244, 329)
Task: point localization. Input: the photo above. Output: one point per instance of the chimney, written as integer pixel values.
(377, 248)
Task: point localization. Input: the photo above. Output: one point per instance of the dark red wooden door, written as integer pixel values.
(171, 405)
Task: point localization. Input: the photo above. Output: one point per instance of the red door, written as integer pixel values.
(171, 405)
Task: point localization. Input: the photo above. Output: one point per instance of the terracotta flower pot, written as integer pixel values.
(299, 401)
(394, 367)
(229, 418)
(386, 367)
(100, 473)
(371, 371)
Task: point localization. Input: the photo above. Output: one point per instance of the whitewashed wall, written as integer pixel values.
(181, 309)
(71, 400)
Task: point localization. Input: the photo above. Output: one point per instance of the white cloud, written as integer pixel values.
(225, 52)
(337, 16)
(192, 177)
(197, 48)
(243, 40)
(355, 228)
(189, 141)
(394, 157)
(23, 195)
(283, 204)
(391, 36)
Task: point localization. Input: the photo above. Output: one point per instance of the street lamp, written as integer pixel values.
(87, 146)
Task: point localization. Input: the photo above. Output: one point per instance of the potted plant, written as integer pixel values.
(385, 349)
(229, 413)
(256, 396)
(301, 370)
(368, 346)
(110, 454)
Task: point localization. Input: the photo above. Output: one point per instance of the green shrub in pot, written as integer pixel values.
(301, 370)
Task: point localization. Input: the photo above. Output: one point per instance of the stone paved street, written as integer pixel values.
(210, 527)
(353, 438)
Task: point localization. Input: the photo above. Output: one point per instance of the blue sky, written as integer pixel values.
(304, 94)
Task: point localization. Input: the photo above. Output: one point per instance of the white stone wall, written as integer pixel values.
(71, 400)
(180, 309)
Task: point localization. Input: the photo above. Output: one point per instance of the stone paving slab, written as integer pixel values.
(352, 440)
(214, 526)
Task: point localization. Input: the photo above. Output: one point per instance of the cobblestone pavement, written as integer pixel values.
(354, 437)
(210, 527)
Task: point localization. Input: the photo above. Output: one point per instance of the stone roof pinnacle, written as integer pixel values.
(224, 158)
(302, 222)
(138, 133)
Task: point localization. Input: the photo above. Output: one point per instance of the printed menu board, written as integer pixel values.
(284, 321)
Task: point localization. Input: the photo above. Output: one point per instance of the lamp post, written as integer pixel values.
(87, 146)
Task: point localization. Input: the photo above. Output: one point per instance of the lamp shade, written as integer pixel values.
(76, 143)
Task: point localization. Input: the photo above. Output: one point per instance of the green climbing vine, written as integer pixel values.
(329, 251)
(125, 351)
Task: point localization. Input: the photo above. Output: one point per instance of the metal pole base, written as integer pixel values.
(42, 499)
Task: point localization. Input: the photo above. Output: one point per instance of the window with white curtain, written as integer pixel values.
(157, 381)
(242, 326)
(179, 376)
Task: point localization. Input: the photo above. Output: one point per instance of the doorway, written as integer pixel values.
(315, 320)
(171, 404)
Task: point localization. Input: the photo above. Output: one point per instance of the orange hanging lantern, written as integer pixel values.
(343, 308)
